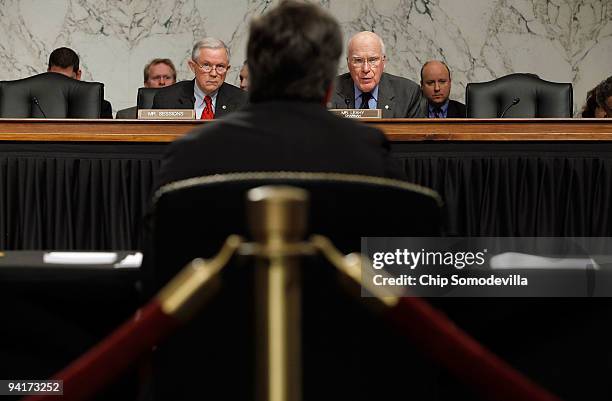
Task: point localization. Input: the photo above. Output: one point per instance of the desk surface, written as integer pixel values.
(397, 130)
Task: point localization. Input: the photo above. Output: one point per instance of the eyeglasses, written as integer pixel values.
(220, 68)
(359, 62)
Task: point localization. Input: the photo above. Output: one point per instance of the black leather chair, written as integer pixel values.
(145, 97)
(537, 98)
(50, 95)
(193, 217)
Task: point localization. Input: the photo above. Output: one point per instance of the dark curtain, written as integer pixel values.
(75, 196)
(93, 195)
(539, 190)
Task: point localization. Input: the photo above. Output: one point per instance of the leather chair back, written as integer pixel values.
(145, 97)
(50, 95)
(538, 98)
(193, 217)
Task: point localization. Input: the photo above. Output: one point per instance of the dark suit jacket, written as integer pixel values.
(180, 96)
(276, 136)
(455, 109)
(129, 113)
(397, 97)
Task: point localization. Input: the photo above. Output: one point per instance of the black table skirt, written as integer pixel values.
(93, 196)
(75, 196)
(517, 189)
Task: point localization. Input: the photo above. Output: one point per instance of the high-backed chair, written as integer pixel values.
(194, 216)
(50, 95)
(536, 98)
(145, 97)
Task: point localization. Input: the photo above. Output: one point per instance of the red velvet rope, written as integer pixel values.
(450, 346)
(428, 328)
(93, 370)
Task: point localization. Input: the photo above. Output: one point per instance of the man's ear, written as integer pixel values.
(192, 65)
(78, 75)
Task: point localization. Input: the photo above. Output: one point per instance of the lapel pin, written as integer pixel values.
(387, 106)
(224, 107)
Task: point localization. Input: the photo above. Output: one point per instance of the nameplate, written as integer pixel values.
(166, 114)
(357, 113)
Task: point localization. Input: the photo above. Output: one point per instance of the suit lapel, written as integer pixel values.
(221, 104)
(386, 94)
(346, 91)
(187, 97)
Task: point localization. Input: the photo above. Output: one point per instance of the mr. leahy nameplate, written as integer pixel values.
(357, 113)
(166, 114)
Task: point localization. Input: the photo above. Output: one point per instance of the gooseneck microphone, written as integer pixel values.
(515, 101)
(37, 103)
(347, 101)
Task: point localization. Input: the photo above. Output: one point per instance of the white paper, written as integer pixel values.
(134, 260)
(77, 258)
(515, 260)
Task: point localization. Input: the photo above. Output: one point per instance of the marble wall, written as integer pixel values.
(560, 40)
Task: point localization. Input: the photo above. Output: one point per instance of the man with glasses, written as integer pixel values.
(208, 93)
(367, 86)
(158, 73)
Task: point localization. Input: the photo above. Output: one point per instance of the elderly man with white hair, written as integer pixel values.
(208, 93)
(368, 86)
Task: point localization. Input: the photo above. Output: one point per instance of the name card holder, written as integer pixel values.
(357, 113)
(166, 114)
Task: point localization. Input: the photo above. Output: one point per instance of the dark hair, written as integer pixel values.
(603, 92)
(293, 53)
(64, 57)
(156, 61)
(588, 111)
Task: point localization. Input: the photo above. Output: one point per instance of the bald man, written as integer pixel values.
(368, 86)
(436, 87)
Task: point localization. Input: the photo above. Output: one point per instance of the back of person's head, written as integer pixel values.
(293, 52)
(64, 57)
(588, 111)
(602, 93)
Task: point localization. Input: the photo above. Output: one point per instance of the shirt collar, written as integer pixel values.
(199, 95)
(444, 109)
(359, 92)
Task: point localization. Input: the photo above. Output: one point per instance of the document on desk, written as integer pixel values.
(80, 258)
(132, 260)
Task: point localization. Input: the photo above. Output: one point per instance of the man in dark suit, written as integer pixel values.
(65, 61)
(208, 93)
(158, 73)
(285, 126)
(293, 52)
(436, 86)
(367, 86)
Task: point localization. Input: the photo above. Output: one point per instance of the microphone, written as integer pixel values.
(347, 101)
(515, 101)
(35, 100)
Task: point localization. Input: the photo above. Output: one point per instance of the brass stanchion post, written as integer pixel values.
(277, 218)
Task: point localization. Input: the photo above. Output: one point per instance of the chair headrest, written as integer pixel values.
(537, 97)
(52, 95)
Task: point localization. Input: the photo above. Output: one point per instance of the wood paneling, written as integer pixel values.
(397, 130)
